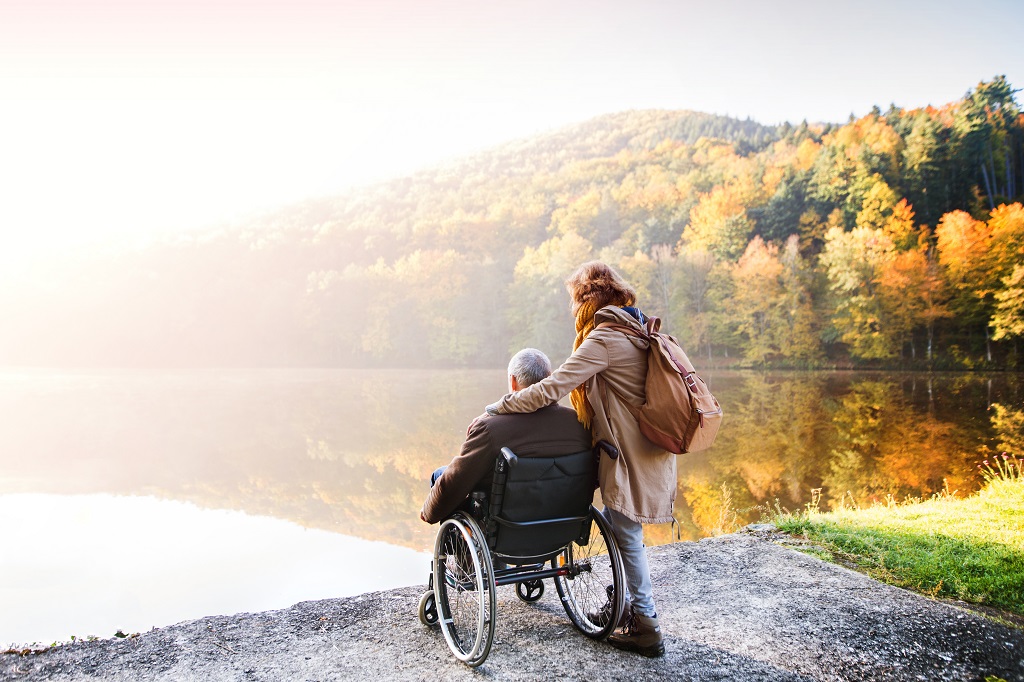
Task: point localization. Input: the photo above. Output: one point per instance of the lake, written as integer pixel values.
(134, 499)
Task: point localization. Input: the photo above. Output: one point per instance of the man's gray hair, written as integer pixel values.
(529, 366)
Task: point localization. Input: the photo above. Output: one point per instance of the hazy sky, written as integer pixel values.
(129, 118)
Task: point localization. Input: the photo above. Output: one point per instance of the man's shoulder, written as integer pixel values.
(561, 411)
(550, 431)
(553, 411)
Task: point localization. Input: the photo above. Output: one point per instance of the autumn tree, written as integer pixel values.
(538, 310)
(905, 291)
(852, 261)
(963, 244)
(755, 307)
(1008, 320)
(719, 224)
(798, 334)
(593, 216)
(655, 279)
(691, 310)
(977, 257)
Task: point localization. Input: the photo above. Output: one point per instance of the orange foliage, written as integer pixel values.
(1007, 226)
(868, 134)
(963, 244)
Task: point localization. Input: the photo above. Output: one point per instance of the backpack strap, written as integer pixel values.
(625, 330)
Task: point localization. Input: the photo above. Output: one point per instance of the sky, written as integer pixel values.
(122, 120)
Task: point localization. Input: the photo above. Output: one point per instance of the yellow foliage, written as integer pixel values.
(868, 134)
(773, 176)
(899, 226)
(807, 154)
(1008, 319)
(877, 205)
(719, 222)
(1007, 226)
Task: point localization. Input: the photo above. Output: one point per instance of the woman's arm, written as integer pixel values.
(586, 361)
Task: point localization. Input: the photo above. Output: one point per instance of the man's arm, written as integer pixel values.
(474, 463)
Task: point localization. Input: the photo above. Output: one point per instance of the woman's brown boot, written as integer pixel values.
(641, 634)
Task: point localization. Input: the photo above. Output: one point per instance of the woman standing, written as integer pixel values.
(639, 484)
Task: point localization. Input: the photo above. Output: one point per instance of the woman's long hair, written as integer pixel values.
(593, 286)
(595, 282)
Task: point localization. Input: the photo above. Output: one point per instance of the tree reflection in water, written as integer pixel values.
(351, 451)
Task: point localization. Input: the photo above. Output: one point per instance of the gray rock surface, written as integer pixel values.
(732, 608)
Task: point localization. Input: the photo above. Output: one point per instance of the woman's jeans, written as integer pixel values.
(630, 536)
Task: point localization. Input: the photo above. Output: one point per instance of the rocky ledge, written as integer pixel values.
(738, 607)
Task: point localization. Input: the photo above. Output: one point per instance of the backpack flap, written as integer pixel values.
(679, 414)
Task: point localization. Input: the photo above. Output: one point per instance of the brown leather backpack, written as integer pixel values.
(679, 413)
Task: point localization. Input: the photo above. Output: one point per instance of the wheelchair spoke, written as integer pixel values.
(592, 569)
(465, 595)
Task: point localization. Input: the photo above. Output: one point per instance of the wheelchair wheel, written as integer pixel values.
(428, 609)
(464, 588)
(530, 590)
(592, 569)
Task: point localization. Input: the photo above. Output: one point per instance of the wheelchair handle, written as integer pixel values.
(509, 456)
(607, 448)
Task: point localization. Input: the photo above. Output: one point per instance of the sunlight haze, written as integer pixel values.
(125, 120)
(262, 262)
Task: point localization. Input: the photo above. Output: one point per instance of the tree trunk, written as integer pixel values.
(1009, 176)
(931, 334)
(992, 161)
(988, 345)
(988, 187)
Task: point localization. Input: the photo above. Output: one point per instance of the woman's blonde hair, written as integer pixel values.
(597, 283)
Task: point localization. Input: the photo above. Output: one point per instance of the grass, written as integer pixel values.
(970, 549)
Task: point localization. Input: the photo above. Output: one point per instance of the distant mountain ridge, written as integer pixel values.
(634, 130)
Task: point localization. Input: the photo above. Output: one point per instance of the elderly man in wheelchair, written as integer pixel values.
(515, 508)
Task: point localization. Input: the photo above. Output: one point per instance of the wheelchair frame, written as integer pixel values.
(460, 596)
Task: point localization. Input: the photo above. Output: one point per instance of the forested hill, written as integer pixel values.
(601, 138)
(610, 134)
(895, 238)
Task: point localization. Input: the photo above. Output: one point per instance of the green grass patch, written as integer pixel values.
(970, 549)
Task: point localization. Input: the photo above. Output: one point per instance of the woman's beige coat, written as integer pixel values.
(641, 483)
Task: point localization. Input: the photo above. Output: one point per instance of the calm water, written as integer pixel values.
(134, 499)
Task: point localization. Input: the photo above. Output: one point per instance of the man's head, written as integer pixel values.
(526, 368)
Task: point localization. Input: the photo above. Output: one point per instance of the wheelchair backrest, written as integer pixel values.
(539, 504)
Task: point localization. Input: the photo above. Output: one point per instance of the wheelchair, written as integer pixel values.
(539, 512)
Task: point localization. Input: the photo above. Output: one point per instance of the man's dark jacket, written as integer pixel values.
(551, 430)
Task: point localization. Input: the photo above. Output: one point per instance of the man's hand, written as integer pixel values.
(493, 408)
(423, 516)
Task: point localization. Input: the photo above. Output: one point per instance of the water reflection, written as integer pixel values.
(854, 436)
(94, 564)
(350, 451)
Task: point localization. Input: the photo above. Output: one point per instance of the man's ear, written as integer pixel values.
(513, 382)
